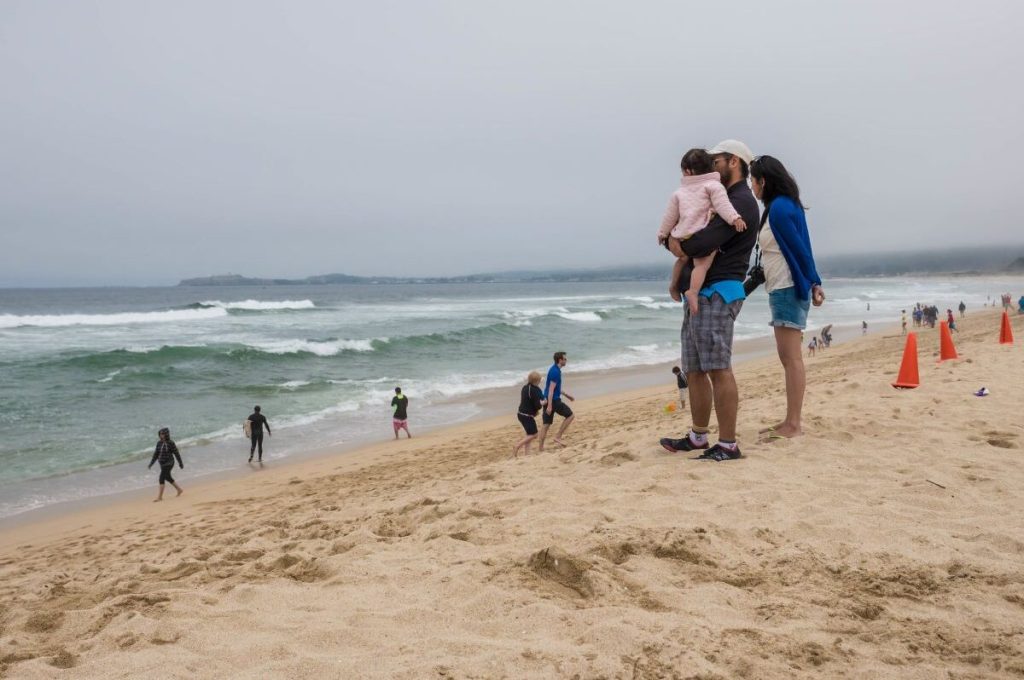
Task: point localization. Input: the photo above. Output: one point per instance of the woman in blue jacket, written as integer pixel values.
(791, 278)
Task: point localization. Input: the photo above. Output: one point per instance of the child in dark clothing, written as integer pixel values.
(531, 400)
(681, 384)
(166, 452)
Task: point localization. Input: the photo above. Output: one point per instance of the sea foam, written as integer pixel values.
(259, 305)
(585, 317)
(326, 348)
(117, 319)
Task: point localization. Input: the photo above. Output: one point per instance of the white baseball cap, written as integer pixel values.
(734, 147)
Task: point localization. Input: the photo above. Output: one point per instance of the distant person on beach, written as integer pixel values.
(1020, 305)
(950, 321)
(863, 327)
(903, 321)
(553, 393)
(707, 335)
(963, 309)
(811, 346)
(681, 384)
(531, 400)
(257, 421)
(165, 453)
(791, 279)
(689, 210)
(400, 416)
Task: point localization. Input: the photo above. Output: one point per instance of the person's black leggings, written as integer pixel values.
(165, 474)
(257, 439)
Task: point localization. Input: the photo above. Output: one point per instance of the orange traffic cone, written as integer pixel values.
(1005, 331)
(947, 350)
(908, 377)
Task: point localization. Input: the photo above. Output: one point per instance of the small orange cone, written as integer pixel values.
(947, 350)
(1005, 331)
(908, 377)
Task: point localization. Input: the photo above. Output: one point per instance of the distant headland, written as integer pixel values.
(992, 260)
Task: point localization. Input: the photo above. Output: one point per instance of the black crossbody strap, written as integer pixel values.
(757, 243)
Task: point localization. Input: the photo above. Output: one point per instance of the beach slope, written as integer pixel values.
(886, 542)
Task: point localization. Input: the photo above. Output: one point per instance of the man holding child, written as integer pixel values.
(707, 335)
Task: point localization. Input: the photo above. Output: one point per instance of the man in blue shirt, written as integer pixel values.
(707, 336)
(553, 393)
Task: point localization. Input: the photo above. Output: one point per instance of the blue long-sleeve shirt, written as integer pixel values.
(789, 225)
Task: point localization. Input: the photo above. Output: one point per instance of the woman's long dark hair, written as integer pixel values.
(777, 180)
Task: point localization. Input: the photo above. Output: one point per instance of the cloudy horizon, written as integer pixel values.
(149, 142)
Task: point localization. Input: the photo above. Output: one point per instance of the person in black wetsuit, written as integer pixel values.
(400, 416)
(166, 452)
(531, 400)
(258, 422)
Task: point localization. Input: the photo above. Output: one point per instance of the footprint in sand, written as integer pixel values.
(559, 567)
(617, 458)
(44, 622)
(64, 659)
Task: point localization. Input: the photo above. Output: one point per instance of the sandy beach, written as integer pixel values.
(884, 543)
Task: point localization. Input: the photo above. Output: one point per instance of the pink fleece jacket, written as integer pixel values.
(690, 206)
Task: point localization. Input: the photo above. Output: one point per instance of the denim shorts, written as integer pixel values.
(787, 310)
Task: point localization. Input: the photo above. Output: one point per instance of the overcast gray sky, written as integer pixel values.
(143, 142)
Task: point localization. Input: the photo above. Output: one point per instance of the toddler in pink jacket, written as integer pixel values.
(689, 210)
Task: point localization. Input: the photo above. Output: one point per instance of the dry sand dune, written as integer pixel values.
(886, 542)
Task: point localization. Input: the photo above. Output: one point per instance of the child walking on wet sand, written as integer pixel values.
(166, 452)
(689, 210)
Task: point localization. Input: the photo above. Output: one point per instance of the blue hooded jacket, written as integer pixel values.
(789, 226)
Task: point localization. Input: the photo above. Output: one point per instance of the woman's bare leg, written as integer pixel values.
(787, 341)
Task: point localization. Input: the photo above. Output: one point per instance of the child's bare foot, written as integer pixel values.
(157, 500)
(691, 301)
(673, 293)
(180, 491)
(559, 441)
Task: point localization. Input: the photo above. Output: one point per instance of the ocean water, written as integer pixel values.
(89, 375)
